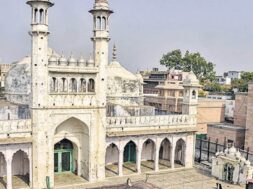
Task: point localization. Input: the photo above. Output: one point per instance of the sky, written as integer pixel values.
(143, 30)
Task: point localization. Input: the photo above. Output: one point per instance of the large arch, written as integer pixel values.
(77, 133)
(20, 165)
(130, 156)
(165, 154)
(148, 155)
(180, 153)
(2, 169)
(112, 160)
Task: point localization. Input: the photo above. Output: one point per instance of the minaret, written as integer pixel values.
(101, 14)
(190, 101)
(39, 67)
(39, 33)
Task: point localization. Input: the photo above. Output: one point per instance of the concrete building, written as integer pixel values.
(86, 116)
(233, 75)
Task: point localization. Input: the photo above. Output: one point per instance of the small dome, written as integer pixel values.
(247, 162)
(226, 150)
(90, 62)
(217, 153)
(53, 60)
(232, 150)
(81, 61)
(63, 60)
(243, 160)
(237, 154)
(72, 61)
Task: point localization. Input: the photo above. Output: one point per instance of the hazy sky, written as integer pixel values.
(221, 30)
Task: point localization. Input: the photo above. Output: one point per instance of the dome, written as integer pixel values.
(247, 162)
(72, 61)
(62, 61)
(53, 60)
(232, 150)
(90, 62)
(243, 160)
(81, 61)
(237, 154)
(191, 79)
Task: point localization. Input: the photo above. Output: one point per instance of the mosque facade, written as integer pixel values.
(86, 117)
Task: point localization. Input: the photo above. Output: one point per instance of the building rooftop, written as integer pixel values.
(227, 126)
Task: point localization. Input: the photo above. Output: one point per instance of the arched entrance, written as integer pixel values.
(64, 156)
(3, 165)
(130, 157)
(165, 154)
(228, 172)
(180, 153)
(20, 166)
(71, 149)
(148, 156)
(111, 160)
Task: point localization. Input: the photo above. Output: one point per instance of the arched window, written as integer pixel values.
(98, 23)
(36, 15)
(194, 94)
(73, 85)
(41, 16)
(91, 85)
(64, 85)
(103, 23)
(83, 85)
(54, 85)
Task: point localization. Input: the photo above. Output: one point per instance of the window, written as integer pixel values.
(83, 85)
(98, 23)
(73, 85)
(41, 16)
(54, 85)
(91, 85)
(103, 23)
(35, 19)
(64, 85)
(194, 94)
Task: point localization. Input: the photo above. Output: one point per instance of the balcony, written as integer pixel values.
(150, 124)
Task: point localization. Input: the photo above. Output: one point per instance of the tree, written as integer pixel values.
(190, 61)
(242, 84)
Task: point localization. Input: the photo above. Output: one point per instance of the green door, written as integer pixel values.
(63, 161)
(130, 152)
(63, 157)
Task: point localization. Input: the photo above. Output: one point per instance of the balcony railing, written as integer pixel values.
(164, 120)
(15, 126)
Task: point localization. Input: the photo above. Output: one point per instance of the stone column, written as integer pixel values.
(156, 166)
(172, 156)
(30, 170)
(120, 162)
(9, 173)
(138, 162)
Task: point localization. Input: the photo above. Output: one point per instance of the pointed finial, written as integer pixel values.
(114, 54)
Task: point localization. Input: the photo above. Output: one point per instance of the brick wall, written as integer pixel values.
(209, 111)
(249, 120)
(240, 114)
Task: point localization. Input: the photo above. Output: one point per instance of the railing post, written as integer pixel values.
(200, 150)
(208, 149)
(216, 145)
(225, 144)
(247, 157)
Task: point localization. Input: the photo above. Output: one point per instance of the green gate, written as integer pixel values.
(63, 157)
(130, 152)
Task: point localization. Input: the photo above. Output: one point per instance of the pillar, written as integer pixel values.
(30, 170)
(138, 162)
(156, 159)
(172, 156)
(9, 172)
(120, 162)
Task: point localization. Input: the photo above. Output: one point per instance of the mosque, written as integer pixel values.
(86, 117)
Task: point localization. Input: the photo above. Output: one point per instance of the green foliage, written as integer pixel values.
(242, 84)
(190, 61)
